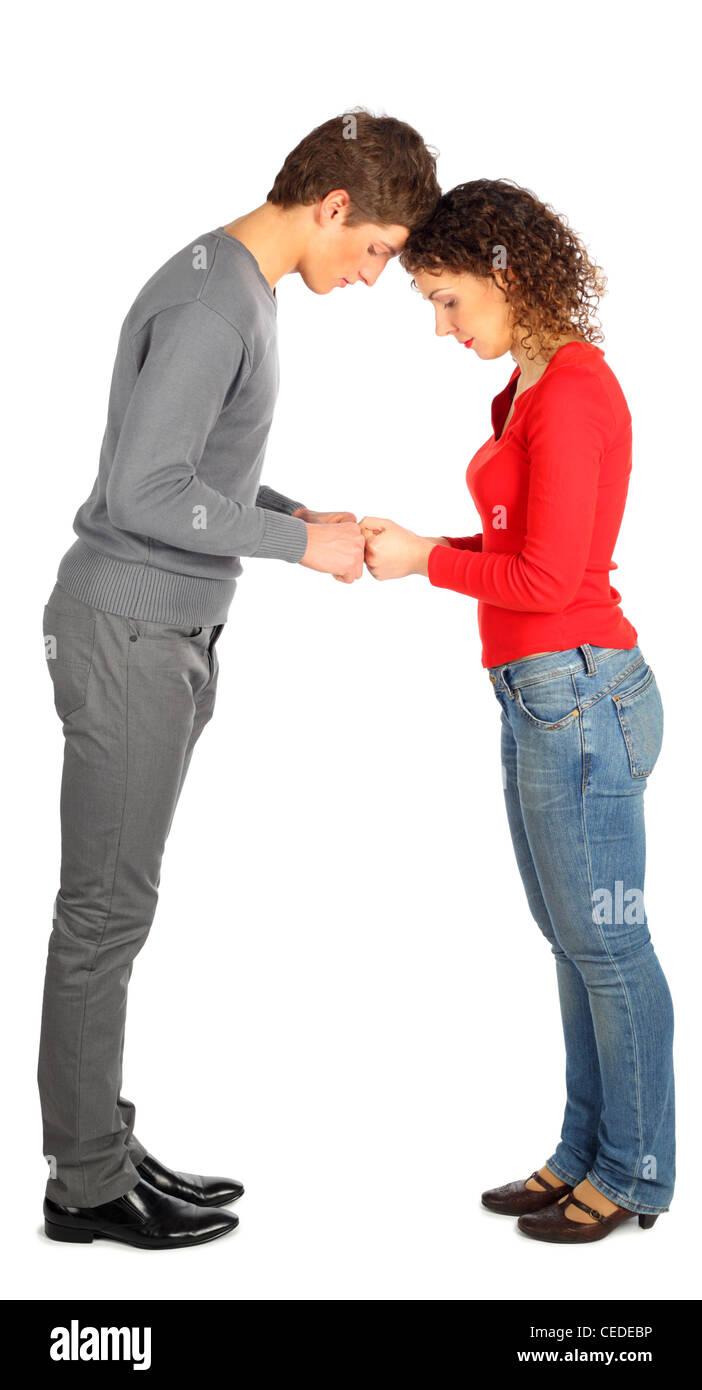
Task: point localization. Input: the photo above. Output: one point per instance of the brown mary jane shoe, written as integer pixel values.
(553, 1225)
(515, 1198)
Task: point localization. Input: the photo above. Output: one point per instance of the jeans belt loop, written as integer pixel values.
(590, 663)
(502, 680)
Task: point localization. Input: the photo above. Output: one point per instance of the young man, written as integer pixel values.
(141, 599)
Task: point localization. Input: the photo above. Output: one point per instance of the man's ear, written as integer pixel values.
(334, 206)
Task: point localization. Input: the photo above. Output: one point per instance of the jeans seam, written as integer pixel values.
(608, 1191)
(625, 994)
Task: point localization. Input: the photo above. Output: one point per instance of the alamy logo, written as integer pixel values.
(51, 1160)
(199, 256)
(76, 1343)
(49, 646)
(628, 906)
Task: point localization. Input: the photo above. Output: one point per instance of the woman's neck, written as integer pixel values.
(531, 368)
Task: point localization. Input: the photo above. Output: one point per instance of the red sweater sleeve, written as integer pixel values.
(465, 542)
(567, 428)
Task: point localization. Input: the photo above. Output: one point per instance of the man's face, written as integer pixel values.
(337, 255)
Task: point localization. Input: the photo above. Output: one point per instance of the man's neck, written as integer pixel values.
(274, 236)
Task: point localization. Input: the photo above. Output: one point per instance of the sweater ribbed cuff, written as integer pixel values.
(275, 501)
(284, 537)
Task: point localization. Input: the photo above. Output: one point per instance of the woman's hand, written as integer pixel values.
(392, 552)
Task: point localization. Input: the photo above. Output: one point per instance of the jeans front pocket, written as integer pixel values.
(68, 648)
(548, 704)
(640, 713)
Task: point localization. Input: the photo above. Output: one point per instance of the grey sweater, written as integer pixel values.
(177, 499)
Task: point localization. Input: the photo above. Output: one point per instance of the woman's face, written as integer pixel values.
(469, 308)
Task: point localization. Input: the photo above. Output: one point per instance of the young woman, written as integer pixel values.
(581, 712)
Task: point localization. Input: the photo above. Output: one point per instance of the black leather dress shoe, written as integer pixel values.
(142, 1217)
(190, 1187)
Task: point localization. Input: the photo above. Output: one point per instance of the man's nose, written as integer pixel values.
(369, 277)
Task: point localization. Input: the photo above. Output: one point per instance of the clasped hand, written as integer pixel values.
(390, 550)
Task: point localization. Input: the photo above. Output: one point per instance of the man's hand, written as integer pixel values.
(328, 519)
(334, 545)
(393, 552)
(323, 518)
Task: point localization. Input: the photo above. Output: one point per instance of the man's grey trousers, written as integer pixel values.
(133, 698)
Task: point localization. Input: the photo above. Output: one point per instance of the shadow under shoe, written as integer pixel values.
(142, 1217)
(515, 1198)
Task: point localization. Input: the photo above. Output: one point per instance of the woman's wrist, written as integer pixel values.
(423, 549)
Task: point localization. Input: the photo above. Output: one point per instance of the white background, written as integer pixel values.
(344, 1001)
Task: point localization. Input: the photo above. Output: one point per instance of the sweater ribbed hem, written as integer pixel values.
(135, 590)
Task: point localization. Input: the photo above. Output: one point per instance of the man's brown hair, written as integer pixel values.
(384, 165)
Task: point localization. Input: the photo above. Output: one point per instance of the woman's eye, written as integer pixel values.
(372, 251)
(449, 303)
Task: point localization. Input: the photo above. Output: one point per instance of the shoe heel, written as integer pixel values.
(81, 1237)
(646, 1222)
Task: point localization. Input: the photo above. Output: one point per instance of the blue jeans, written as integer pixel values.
(581, 733)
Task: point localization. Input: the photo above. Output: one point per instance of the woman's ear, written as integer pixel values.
(506, 277)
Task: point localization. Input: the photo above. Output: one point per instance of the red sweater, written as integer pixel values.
(551, 494)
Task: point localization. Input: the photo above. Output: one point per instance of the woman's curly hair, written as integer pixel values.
(478, 228)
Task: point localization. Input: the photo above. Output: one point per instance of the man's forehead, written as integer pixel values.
(392, 238)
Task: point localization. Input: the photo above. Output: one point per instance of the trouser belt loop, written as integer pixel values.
(590, 663)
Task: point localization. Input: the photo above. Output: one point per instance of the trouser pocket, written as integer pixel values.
(214, 659)
(68, 647)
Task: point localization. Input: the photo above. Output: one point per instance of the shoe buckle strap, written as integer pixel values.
(590, 1210)
(547, 1186)
(537, 1178)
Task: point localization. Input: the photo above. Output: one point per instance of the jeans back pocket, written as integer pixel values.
(68, 648)
(640, 713)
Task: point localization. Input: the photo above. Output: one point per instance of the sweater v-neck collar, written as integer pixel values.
(514, 381)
